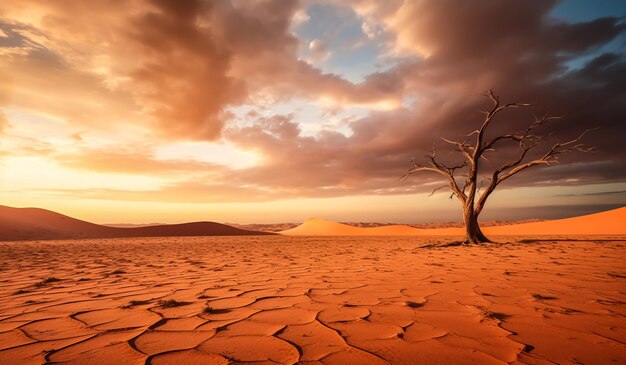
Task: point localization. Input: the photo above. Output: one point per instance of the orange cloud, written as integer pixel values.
(169, 67)
(133, 161)
(159, 69)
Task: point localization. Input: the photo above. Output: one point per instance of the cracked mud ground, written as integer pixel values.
(334, 300)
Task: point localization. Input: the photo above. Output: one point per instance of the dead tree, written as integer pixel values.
(473, 149)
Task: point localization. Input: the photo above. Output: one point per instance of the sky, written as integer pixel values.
(265, 111)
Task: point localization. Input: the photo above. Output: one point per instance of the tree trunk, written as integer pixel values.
(473, 234)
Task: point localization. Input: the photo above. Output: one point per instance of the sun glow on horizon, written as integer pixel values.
(268, 112)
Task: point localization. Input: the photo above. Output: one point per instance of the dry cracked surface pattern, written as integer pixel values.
(308, 300)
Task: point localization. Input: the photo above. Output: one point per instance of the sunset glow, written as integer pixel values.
(332, 182)
(276, 111)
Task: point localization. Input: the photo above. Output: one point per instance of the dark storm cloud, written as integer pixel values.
(512, 47)
(178, 66)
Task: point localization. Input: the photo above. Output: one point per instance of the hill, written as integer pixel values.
(607, 223)
(18, 224)
(323, 227)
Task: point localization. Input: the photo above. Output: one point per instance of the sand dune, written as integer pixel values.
(40, 224)
(37, 224)
(277, 227)
(323, 227)
(610, 222)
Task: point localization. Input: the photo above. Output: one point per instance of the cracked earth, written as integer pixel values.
(311, 300)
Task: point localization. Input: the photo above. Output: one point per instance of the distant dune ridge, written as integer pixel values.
(609, 222)
(39, 224)
(277, 227)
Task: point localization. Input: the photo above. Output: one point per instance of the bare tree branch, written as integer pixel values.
(495, 178)
(463, 147)
(436, 189)
(441, 169)
(551, 156)
(527, 139)
(522, 136)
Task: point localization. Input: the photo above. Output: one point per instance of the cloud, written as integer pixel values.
(173, 70)
(4, 124)
(183, 69)
(137, 161)
(318, 51)
(299, 17)
(619, 192)
(521, 53)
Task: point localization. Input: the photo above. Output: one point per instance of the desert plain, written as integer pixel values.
(278, 299)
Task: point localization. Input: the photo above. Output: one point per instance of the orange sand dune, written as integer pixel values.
(323, 227)
(41, 224)
(609, 222)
